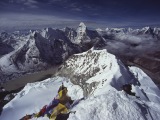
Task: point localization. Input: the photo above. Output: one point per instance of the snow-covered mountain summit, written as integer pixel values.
(84, 69)
(84, 36)
(81, 32)
(98, 76)
(95, 68)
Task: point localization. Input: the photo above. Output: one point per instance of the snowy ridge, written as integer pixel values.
(101, 87)
(146, 84)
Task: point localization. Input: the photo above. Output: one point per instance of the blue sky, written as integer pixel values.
(95, 13)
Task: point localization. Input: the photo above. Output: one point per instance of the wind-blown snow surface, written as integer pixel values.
(106, 101)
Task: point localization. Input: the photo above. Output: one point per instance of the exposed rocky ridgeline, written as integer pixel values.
(83, 70)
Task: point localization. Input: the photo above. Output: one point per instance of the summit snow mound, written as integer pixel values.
(35, 95)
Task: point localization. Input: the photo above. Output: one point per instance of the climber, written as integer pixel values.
(127, 88)
(2, 89)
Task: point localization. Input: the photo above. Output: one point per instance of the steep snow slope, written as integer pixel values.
(146, 86)
(24, 59)
(101, 88)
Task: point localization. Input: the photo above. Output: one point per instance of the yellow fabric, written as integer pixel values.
(57, 110)
(36, 115)
(62, 92)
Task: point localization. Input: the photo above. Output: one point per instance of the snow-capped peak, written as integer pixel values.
(82, 25)
(99, 29)
(81, 28)
(81, 33)
(146, 28)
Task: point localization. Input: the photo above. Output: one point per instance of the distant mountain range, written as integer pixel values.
(36, 50)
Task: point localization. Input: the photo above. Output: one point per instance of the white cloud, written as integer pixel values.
(27, 3)
(55, 1)
(73, 5)
(14, 21)
(31, 3)
(133, 38)
(76, 9)
(131, 44)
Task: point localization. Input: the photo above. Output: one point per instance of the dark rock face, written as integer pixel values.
(55, 45)
(56, 48)
(5, 49)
